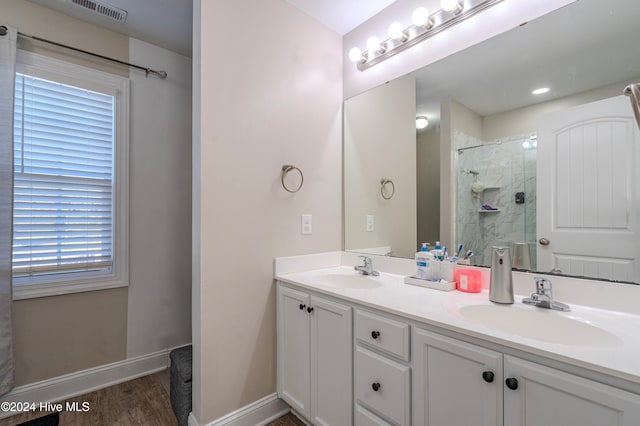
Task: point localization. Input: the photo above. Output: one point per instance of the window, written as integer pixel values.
(70, 178)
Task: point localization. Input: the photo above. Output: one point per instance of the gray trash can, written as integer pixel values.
(180, 388)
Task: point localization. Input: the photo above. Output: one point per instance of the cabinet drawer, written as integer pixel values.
(364, 417)
(382, 333)
(382, 386)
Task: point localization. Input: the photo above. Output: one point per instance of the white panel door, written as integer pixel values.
(331, 363)
(455, 383)
(293, 349)
(589, 191)
(545, 397)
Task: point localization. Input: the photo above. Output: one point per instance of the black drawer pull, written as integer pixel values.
(302, 306)
(488, 376)
(512, 383)
(375, 334)
(376, 387)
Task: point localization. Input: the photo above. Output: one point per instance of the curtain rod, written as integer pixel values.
(161, 74)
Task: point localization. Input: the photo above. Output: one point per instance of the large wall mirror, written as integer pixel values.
(555, 173)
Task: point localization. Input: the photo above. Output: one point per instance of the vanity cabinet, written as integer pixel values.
(461, 384)
(382, 375)
(545, 396)
(454, 382)
(315, 356)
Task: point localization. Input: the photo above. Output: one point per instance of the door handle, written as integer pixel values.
(544, 241)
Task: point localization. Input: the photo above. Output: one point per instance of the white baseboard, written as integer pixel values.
(258, 413)
(85, 381)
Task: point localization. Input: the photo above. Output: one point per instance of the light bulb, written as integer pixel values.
(396, 31)
(526, 144)
(541, 91)
(451, 6)
(420, 17)
(421, 122)
(373, 44)
(355, 55)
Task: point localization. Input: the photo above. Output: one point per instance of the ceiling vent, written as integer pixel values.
(102, 9)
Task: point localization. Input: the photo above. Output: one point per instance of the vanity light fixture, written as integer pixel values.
(421, 122)
(540, 91)
(425, 25)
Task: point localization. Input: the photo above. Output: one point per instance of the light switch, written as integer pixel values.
(307, 224)
(370, 222)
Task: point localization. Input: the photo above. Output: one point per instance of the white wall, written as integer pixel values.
(496, 20)
(265, 100)
(159, 305)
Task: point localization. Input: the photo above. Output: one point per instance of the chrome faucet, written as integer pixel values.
(543, 297)
(367, 268)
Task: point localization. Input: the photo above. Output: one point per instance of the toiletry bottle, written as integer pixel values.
(423, 261)
(437, 251)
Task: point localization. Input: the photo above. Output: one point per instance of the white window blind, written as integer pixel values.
(64, 175)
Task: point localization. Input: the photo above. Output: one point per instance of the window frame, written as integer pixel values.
(48, 68)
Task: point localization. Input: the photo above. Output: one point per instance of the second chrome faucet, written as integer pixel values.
(543, 297)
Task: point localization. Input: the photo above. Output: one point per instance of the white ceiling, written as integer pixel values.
(341, 15)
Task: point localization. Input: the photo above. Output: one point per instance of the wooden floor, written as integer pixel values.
(139, 402)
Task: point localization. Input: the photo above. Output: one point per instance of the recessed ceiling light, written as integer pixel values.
(541, 91)
(421, 122)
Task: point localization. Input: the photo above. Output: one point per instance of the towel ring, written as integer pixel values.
(286, 169)
(383, 186)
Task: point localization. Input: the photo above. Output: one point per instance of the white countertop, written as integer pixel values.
(618, 356)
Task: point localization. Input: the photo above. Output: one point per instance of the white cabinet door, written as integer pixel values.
(293, 349)
(546, 397)
(455, 383)
(331, 363)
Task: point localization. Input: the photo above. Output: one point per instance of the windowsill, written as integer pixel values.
(35, 290)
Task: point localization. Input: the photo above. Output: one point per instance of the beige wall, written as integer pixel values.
(380, 142)
(265, 101)
(428, 185)
(39, 21)
(63, 334)
(69, 333)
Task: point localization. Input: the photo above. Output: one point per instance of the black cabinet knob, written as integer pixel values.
(512, 383)
(302, 306)
(376, 387)
(488, 376)
(309, 309)
(375, 334)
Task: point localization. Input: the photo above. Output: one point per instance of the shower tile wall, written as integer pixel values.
(504, 168)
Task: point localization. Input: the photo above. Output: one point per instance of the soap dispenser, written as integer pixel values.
(501, 283)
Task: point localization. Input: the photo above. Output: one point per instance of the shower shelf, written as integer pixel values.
(488, 211)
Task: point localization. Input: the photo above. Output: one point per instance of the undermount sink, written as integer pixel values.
(348, 280)
(539, 324)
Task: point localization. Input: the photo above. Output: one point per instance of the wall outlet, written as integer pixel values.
(307, 224)
(370, 223)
